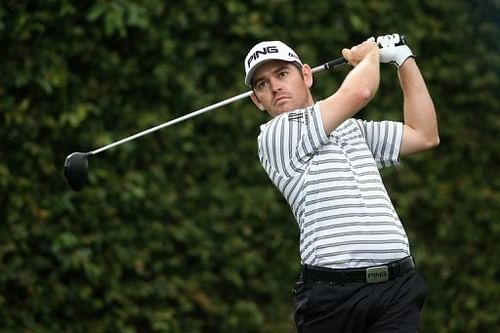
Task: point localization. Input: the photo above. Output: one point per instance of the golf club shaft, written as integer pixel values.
(172, 122)
(230, 100)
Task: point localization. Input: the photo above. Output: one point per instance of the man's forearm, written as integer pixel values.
(357, 89)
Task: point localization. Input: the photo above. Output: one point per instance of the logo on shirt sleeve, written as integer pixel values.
(296, 116)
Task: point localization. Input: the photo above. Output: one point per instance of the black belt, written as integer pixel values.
(373, 274)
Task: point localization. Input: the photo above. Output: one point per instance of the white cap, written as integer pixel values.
(267, 51)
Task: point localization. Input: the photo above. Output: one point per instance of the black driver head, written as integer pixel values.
(76, 168)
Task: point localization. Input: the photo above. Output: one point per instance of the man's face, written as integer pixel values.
(279, 86)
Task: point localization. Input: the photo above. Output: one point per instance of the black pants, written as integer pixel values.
(391, 306)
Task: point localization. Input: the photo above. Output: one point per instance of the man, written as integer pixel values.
(357, 271)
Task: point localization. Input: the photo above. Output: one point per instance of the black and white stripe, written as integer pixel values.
(334, 188)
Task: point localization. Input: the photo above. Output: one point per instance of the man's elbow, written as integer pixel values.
(431, 141)
(436, 141)
(364, 94)
(367, 93)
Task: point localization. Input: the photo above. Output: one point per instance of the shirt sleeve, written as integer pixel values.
(288, 142)
(384, 139)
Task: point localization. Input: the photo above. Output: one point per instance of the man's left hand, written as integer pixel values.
(393, 49)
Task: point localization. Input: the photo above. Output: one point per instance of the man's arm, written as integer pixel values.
(420, 124)
(357, 89)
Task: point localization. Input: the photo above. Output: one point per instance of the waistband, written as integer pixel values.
(372, 274)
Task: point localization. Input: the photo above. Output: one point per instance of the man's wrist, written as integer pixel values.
(374, 55)
(409, 61)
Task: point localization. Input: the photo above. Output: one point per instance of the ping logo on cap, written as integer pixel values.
(265, 50)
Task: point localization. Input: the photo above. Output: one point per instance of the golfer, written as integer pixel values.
(357, 274)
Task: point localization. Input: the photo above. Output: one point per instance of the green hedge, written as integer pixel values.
(181, 231)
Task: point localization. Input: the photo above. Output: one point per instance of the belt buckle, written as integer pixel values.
(377, 274)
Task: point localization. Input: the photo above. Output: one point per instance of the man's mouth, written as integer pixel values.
(279, 99)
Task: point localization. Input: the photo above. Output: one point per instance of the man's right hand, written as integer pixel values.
(358, 52)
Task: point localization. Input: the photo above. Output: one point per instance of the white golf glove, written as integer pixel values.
(393, 49)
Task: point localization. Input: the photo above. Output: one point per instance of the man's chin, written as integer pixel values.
(284, 106)
(280, 110)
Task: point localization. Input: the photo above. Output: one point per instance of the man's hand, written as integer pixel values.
(357, 53)
(393, 49)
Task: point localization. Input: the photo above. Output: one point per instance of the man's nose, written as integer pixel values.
(275, 84)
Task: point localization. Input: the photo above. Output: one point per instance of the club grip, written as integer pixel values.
(335, 62)
(329, 65)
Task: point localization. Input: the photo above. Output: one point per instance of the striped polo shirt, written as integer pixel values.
(333, 186)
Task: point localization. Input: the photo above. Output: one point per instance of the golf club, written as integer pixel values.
(76, 164)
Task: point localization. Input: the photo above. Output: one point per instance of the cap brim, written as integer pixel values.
(248, 77)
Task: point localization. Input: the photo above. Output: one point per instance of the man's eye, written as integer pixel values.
(261, 85)
(283, 74)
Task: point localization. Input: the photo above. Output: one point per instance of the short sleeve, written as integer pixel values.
(384, 139)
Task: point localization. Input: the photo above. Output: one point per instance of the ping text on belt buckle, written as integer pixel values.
(377, 274)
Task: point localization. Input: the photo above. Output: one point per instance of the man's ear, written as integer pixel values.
(308, 75)
(256, 101)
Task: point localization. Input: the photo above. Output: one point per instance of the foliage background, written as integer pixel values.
(181, 231)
